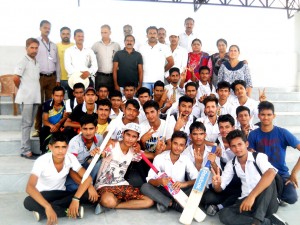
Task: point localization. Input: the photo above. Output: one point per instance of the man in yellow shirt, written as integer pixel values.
(65, 34)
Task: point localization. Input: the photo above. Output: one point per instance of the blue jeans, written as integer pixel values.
(289, 193)
(149, 85)
(70, 183)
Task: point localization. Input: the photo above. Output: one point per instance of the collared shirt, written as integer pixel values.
(112, 114)
(206, 89)
(198, 109)
(54, 116)
(185, 128)
(29, 90)
(154, 61)
(180, 56)
(105, 54)
(212, 130)
(177, 171)
(227, 108)
(78, 147)
(185, 41)
(251, 104)
(250, 177)
(227, 154)
(178, 91)
(77, 60)
(48, 58)
(61, 48)
(68, 105)
(128, 66)
(48, 177)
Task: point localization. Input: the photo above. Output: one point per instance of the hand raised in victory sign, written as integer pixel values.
(181, 122)
(262, 95)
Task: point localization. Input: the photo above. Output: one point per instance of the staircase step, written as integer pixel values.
(10, 143)
(284, 119)
(10, 123)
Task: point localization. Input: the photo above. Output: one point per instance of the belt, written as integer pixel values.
(48, 74)
(105, 74)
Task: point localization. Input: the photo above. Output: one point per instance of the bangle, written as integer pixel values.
(75, 198)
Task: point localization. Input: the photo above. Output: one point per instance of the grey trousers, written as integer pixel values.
(264, 206)
(28, 114)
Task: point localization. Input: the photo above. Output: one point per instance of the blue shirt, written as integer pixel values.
(273, 144)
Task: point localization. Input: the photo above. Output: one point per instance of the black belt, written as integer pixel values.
(104, 74)
(48, 74)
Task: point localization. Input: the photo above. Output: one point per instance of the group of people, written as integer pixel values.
(170, 103)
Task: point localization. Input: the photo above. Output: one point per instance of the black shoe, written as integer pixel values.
(212, 210)
(276, 220)
(176, 207)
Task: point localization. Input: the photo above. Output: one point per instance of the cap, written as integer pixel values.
(132, 126)
(90, 89)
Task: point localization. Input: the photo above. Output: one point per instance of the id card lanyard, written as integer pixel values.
(48, 49)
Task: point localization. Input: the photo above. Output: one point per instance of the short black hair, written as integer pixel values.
(189, 18)
(204, 68)
(115, 93)
(151, 28)
(226, 118)
(221, 40)
(210, 99)
(151, 103)
(58, 88)
(78, 85)
(104, 102)
(197, 125)
(236, 134)
(129, 84)
(87, 118)
(29, 41)
(242, 108)
(174, 69)
(223, 84)
(58, 137)
(179, 134)
(265, 105)
(191, 84)
(102, 86)
(65, 28)
(159, 83)
(236, 82)
(129, 35)
(78, 31)
(44, 22)
(185, 98)
(142, 90)
(133, 102)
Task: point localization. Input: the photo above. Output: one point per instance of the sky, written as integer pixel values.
(263, 35)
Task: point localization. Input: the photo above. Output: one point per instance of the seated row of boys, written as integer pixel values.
(256, 193)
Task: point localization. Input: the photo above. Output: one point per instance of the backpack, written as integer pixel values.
(278, 179)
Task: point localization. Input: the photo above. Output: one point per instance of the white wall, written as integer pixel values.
(266, 37)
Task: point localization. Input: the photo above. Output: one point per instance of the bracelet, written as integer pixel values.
(75, 198)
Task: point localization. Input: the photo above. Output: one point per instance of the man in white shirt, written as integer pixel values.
(225, 105)
(243, 118)
(191, 91)
(143, 95)
(180, 54)
(205, 87)
(48, 198)
(258, 202)
(173, 89)
(175, 166)
(155, 56)
(210, 120)
(78, 93)
(162, 34)
(105, 50)
(186, 38)
(79, 58)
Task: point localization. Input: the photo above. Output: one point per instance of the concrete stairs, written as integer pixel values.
(15, 170)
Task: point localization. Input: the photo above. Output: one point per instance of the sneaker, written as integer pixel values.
(35, 134)
(282, 203)
(161, 208)
(99, 209)
(176, 207)
(36, 216)
(81, 212)
(212, 210)
(28, 155)
(276, 220)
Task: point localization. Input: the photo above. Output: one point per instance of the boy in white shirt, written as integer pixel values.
(143, 95)
(176, 166)
(48, 197)
(244, 120)
(174, 90)
(191, 91)
(225, 105)
(206, 88)
(258, 202)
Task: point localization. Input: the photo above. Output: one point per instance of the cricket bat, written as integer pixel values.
(114, 124)
(196, 194)
(179, 196)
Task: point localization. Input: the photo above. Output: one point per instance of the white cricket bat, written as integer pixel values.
(114, 124)
(196, 194)
(179, 196)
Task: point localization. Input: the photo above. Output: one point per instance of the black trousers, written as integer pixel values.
(264, 206)
(59, 200)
